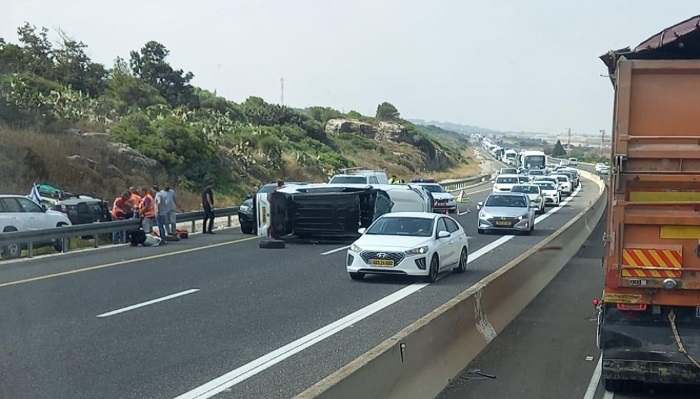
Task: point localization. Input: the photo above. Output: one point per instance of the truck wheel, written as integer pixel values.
(272, 244)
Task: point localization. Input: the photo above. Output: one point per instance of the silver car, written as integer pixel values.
(506, 211)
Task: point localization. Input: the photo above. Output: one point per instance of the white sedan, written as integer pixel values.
(411, 244)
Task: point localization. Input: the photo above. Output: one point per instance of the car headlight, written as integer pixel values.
(417, 251)
(520, 217)
(244, 208)
(483, 215)
(355, 248)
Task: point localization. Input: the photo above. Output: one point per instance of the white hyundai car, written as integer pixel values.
(411, 244)
(533, 192)
(549, 192)
(506, 182)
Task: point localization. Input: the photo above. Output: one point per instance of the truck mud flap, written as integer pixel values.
(641, 346)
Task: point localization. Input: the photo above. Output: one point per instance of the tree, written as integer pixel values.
(558, 150)
(11, 58)
(174, 85)
(76, 70)
(129, 91)
(38, 54)
(387, 112)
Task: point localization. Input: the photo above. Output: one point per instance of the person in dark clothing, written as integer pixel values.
(208, 205)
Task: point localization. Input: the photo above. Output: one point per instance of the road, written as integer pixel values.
(549, 351)
(165, 322)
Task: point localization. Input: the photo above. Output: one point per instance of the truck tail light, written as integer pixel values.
(634, 308)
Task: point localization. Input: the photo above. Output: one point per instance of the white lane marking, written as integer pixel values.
(236, 376)
(332, 251)
(151, 302)
(248, 370)
(595, 380)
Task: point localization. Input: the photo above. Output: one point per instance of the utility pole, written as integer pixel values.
(602, 141)
(282, 91)
(568, 143)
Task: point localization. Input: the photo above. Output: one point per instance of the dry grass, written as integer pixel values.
(472, 168)
(27, 157)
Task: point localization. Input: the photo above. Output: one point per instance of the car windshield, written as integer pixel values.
(525, 189)
(546, 185)
(536, 172)
(562, 178)
(507, 180)
(505, 171)
(433, 188)
(507, 201)
(267, 189)
(402, 226)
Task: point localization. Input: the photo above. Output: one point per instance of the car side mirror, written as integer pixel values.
(44, 208)
(479, 205)
(361, 230)
(444, 234)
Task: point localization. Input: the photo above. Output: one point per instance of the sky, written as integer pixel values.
(509, 65)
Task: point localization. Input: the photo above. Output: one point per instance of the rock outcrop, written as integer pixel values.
(337, 126)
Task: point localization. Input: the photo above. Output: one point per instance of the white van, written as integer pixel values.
(334, 210)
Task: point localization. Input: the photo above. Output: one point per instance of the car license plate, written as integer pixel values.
(503, 223)
(381, 263)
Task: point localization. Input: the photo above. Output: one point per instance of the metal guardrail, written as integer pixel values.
(458, 184)
(28, 238)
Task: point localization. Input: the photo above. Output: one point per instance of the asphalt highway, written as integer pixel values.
(216, 315)
(549, 351)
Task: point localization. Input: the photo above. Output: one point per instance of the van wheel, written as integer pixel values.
(272, 244)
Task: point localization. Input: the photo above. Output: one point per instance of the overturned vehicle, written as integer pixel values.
(334, 210)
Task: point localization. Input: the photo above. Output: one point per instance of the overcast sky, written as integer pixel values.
(508, 65)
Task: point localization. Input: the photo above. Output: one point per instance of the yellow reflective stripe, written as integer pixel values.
(664, 196)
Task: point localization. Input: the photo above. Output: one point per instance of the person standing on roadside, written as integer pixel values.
(147, 210)
(135, 200)
(169, 204)
(208, 205)
(121, 210)
(160, 214)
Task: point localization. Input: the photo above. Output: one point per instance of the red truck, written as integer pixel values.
(649, 315)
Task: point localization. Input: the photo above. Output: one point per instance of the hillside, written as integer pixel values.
(75, 123)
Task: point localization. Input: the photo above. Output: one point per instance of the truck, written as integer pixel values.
(509, 156)
(532, 160)
(648, 327)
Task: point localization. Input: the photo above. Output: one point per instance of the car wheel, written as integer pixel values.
(356, 276)
(463, 261)
(480, 231)
(434, 270)
(61, 244)
(13, 251)
(246, 229)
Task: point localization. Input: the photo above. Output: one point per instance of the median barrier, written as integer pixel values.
(421, 360)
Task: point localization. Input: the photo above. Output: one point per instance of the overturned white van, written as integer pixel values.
(334, 210)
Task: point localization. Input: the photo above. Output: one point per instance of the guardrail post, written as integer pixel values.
(97, 240)
(228, 221)
(194, 226)
(30, 249)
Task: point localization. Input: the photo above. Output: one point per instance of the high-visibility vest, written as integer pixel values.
(118, 208)
(135, 200)
(148, 207)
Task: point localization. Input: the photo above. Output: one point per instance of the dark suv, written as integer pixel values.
(84, 210)
(246, 211)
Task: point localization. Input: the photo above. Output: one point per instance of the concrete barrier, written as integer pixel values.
(420, 360)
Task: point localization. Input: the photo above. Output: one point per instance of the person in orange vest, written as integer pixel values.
(121, 210)
(147, 210)
(135, 200)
